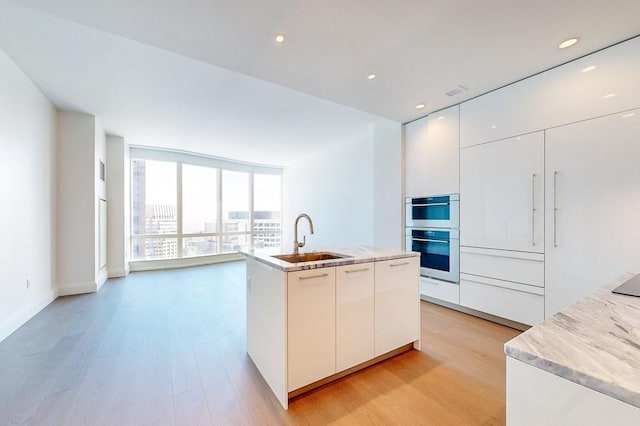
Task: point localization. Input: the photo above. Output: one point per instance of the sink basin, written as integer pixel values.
(309, 257)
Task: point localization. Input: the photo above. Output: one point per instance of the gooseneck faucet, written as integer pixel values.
(297, 244)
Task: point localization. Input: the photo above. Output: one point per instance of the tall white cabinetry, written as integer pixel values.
(502, 228)
(432, 154)
(593, 205)
(502, 194)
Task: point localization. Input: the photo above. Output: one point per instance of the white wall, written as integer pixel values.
(27, 185)
(76, 206)
(100, 193)
(118, 188)
(336, 189)
(387, 185)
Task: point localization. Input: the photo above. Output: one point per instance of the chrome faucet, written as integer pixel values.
(296, 243)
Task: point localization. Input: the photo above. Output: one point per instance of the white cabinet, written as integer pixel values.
(432, 154)
(311, 322)
(506, 299)
(397, 304)
(593, 206)
(438, 289)
(354, 314)
(502, 194)
(556, 97)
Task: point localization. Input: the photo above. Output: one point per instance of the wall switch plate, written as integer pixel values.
(28, 283)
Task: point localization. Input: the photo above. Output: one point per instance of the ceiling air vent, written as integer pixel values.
(459, 89)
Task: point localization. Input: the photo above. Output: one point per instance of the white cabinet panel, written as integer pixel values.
(520, 267)
(502, 194)
(446, 291)
(538, 398)
(432, 154)
(593, 205)
(397, 304)
(517, 302)
(556, 97)
(354, 314)
(311, 346)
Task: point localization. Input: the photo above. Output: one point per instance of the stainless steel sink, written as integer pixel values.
(309, 257)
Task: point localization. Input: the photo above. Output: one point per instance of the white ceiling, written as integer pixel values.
(207, 76)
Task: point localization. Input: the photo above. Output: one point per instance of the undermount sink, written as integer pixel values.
(309, 257)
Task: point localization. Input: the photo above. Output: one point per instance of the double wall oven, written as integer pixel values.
(432, 230)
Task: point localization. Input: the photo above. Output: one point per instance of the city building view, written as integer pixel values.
(155, 233)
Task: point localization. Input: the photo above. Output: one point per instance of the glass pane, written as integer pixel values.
(153, 197)
(199, 246)
(235, 201)
(261, 240)
(199, 200)
(231, 243)
(154, 248)
(266, 204)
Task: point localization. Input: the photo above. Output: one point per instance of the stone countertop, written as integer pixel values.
(594, 342)
(357, 254)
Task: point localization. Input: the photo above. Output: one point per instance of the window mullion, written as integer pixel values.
(251, 212)
(219, 212)
(179, 206)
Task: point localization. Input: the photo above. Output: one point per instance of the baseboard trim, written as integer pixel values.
(77, 288)
(15, 321)
(118, 273)
(154, 265)
(101, 278)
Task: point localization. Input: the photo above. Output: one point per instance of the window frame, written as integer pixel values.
(219, 164)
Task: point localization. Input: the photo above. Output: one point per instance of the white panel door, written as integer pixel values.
(397, 304)
(354, 314)
(311, 326)
(432, 154)
(502, 194)
(593, 206)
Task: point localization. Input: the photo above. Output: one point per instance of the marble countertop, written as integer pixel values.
(594, 342)
(355, 254)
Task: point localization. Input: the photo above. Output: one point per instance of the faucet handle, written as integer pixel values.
(304, 241)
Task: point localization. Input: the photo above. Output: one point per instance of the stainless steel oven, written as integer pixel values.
(439, 251)
(439, 211)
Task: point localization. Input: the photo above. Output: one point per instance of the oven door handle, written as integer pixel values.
(427, 240)
(430, 204)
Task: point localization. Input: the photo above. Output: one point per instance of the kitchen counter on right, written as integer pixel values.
(581, 366)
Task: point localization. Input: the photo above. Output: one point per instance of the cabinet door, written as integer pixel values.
(311, 326)
(354, 314)
(502, 194)
(397, 304)
(432, 154)
(593, 205)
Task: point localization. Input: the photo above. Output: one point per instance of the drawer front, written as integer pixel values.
(525, 268)
(442, 290)
(491, 297)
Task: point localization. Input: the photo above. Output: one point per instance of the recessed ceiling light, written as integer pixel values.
(494, 126)
(609, 95)
(589, 68)
(280, 38)
(630, 114)
(371, 76)
(420, 106)
(441, 117)
(568, 43)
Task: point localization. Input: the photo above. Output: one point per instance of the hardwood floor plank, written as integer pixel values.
(169, 347)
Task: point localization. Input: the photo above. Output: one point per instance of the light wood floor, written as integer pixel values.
(169, 348)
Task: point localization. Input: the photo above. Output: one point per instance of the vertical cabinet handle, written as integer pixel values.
(555, 208)
(533, 210)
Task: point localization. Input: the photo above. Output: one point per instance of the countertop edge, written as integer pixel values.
(355, 256)
(603, 306)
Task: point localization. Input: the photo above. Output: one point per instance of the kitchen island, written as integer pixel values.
(312, 322)
(579, 367)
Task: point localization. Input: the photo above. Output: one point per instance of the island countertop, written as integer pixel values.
(354, 255)
(594, 342)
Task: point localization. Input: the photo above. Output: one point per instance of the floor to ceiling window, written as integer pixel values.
(184, 205)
